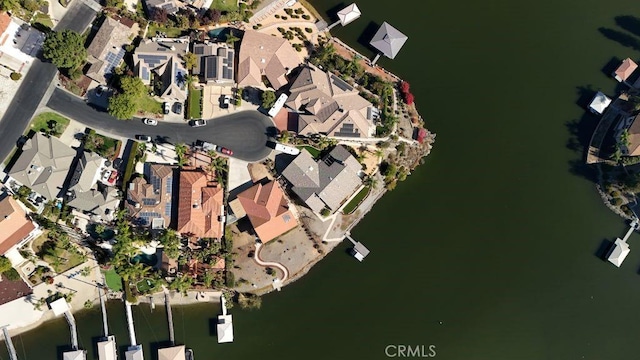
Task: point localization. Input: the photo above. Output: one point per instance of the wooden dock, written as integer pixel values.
(170, 319)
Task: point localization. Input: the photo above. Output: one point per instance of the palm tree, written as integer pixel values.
(370, 181)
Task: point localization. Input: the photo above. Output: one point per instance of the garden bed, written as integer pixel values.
(356, 201)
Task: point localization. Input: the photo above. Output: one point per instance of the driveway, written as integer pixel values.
(243, 132)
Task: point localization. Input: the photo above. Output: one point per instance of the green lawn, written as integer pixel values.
(68, 259)
(102, 145)
(41, 122)
(224, 5)
(149, 105)
(170, 31)
(313, 151)
(43, 19)
(114, 281)
(353, 204)
(195, 103)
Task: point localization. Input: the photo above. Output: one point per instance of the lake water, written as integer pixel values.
(488, 251)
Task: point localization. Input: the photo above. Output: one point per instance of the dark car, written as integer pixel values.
(177, 107)
(143, 138)
(226, 151)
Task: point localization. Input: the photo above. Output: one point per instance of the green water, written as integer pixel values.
(489, 250)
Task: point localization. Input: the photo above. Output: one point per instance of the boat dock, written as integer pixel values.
(620, 248)
(107, 349)
(224, 328)
(7, 340)
(61, 307)
(167, 303)
(134, 351)
(359, 251)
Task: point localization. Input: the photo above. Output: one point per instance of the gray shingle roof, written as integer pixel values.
(43, 165)
(85, 173)
(326, 182)
(388, 40)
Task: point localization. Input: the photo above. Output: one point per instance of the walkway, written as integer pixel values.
(278, 282)
(610, 116)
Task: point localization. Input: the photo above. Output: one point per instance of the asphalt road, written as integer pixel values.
(35, 84)
(245, 133)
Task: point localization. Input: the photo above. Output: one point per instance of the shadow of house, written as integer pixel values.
(332, 13)
(604, 249)
(367, 34)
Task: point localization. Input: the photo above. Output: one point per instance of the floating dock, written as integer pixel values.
(134, 351)
(224, 328)
(359, 251)
(61, 307)
(620, 248)
(107, 349)
(7, 340)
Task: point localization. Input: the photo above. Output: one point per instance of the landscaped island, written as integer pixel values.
(185, 199)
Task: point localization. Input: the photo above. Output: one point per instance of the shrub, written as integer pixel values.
(325, 212)
(309, 30)
(306, 17)
(15, 76)
(230, 279)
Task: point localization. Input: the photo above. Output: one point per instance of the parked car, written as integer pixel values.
(99, 91)
(166, 108)
(226, 100)
(152, 122)
(226, 151)
(177, 107)
(197, 123)
(143, 138)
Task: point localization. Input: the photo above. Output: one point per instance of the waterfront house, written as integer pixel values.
(326, 104)
(268, 210)
(87, 194)
(388, 40)
(632, 126)
(200, 206)
(215, 62)
(15, 229)
(327, 182)
(43, 165)
(265, 55)
(599, 103)
(159, 63)
(619, 252)
(624, 71)
(150, 203)
(106, 50)
(172, 353)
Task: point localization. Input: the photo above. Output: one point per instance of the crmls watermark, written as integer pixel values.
(410, 351)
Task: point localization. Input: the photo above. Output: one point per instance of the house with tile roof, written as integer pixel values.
(268, 210)
(624, 71)
(5, 20)
(159, 63)
(265, 55)
(43, 165)
(326, 183)
(327, 105)
(200, 206)
(15, 228)
(106, 50)
(150, 199)
(215, 62)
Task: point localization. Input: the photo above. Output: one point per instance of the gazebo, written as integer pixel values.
(388, 41)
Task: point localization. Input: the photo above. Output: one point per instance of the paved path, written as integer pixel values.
(245, 132)
(282, 268)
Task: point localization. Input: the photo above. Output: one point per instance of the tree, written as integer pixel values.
(65, 49)
(5, 265)
(190, 60)
(230, 279)
(159, 15)
(268, 99)
(181, 283)
(122, 106)
(132, 86)
(9, 5)
(171, 243)
(231, 38)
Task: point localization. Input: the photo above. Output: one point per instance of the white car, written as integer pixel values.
(166, 107)
(227, 100)
(152, 122)
(143, 138)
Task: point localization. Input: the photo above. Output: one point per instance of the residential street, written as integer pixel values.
(35, 84)
(245, 133)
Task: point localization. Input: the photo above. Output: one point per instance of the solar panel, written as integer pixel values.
(155, 181)
(169, 185)
(211, 67)
(198, 50)
(167, 209)
(145, 73)
(148, 201)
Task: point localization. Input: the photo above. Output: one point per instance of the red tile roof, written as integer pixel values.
(14, 225)
(268, 210)
(5, 20)
(626, 69)
(199, 205)
(11, 290)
